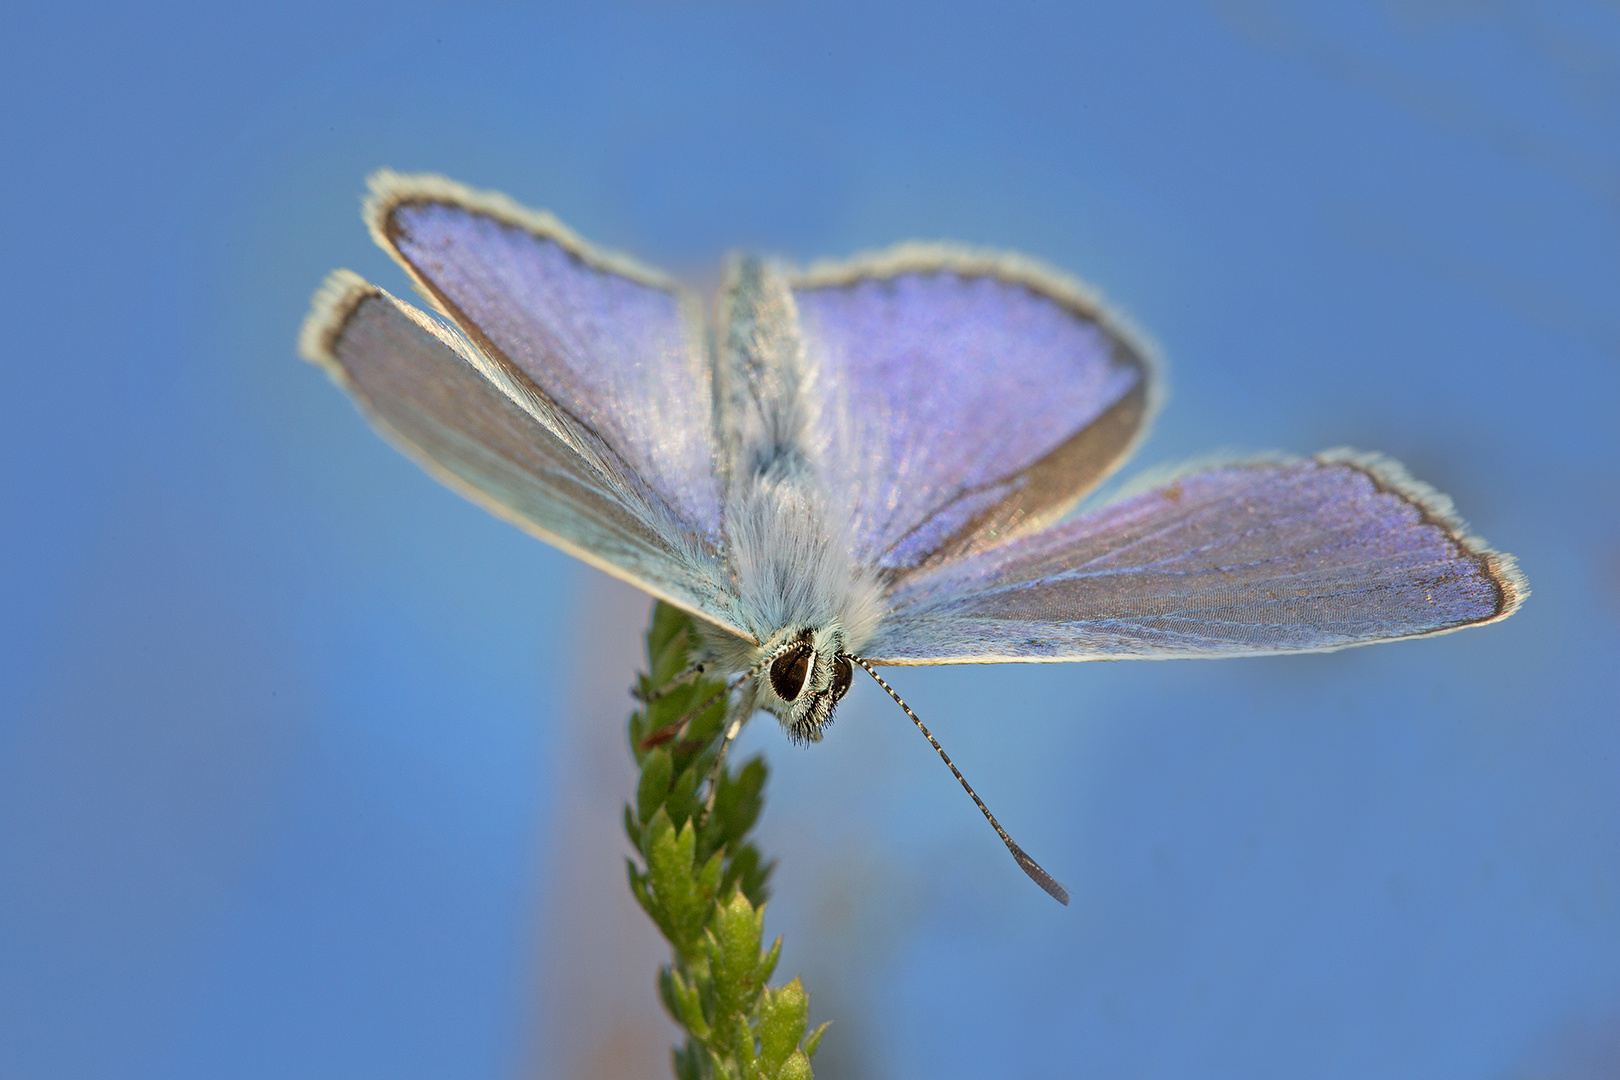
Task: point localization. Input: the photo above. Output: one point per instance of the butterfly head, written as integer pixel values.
(808, 673)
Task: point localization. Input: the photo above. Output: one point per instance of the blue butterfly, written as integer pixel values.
(865, 463)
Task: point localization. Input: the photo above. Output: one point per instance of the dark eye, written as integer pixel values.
(788, 672)
(842, 674)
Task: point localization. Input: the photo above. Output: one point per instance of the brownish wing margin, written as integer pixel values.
(1051, 487)
(1437, 509)
(481, 428)
(389, 191)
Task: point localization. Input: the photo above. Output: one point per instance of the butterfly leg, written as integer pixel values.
(674, 729)
(732, 728)
(692, 672)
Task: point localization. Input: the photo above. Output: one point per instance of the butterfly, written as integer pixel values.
(865, 463)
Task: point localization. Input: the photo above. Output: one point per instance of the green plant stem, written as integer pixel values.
(702, 882)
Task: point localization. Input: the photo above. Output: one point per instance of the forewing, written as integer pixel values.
(1263, 557)
(962, 399)
(614, 346)
(482, 428)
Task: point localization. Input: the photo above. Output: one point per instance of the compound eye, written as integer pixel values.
(843, 673)
(789, 671)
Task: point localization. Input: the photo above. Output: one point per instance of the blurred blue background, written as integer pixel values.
(308, 768)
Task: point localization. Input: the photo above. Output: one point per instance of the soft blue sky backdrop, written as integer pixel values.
(308, 768)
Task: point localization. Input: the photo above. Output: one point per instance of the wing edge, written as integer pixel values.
(967, 260)
(333, 304)
(387, 190)
(1388, 475)
(1066, 290)
(1439, 510)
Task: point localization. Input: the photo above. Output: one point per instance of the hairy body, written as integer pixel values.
(807, 603)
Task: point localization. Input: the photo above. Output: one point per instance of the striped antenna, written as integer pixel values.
(1025, 863)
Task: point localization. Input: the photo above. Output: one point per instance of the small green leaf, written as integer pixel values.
(754, 881)
(738, 802)
(767, 966)
(742, 1050)
(814, 1039)
(637, 730)
(783, 1013)
(656, 827)
(680, 900)
(656, 770)
(668, 641)
(688, 1061)
(708, 878)
(684, 1001)
(669, 991)
(638, 886)
(796, 1067)
(738, 866)
(632, 827)
(734, 955)
(681, 800)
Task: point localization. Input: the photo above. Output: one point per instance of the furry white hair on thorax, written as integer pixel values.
(786, 540)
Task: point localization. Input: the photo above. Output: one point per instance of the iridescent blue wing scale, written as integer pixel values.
(964, 399)
(481, 426)
(1262, 557)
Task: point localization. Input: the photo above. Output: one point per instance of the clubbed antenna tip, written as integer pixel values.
(1025, 863)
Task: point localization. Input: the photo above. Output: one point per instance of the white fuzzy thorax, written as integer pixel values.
(786, 536)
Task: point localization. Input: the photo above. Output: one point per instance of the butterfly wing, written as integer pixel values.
(482, 427)
(964, 399)
(1263, 557)
(614, 347)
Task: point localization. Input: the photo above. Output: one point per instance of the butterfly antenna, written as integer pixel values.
(1025, 863)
